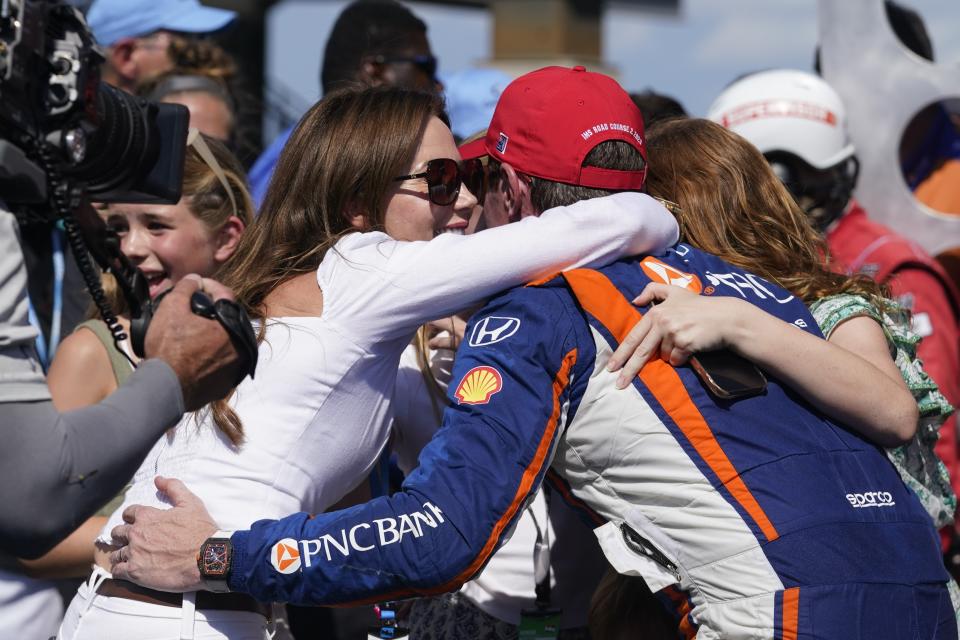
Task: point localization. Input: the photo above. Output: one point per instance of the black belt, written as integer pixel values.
(205, 599)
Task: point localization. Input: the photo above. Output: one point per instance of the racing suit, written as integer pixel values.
(771, 521)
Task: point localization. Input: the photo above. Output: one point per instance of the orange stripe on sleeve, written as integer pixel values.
(601, 299)
(543, 280)
(791, 613)
(560, 382)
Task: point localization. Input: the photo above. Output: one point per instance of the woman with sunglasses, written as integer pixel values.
(346, 259)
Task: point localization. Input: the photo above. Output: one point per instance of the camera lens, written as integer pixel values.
(123, 147)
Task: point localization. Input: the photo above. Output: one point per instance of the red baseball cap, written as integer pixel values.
(547, 121)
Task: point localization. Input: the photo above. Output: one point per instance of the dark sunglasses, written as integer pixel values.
(427, 64)
(444, 177)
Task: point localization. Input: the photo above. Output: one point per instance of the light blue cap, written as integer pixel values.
(112, 20)
(471, 96)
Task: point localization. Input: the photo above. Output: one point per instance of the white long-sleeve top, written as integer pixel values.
(317, 415)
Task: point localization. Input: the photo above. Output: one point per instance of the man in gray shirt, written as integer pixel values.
(56, 468)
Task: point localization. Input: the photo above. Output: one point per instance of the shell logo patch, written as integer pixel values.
(664, 273)
(479, 385)
(285, 556)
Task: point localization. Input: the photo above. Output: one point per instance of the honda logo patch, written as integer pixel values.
(493, 329)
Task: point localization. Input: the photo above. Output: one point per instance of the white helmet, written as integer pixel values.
(790, 111)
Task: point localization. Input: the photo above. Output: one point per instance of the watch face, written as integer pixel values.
(216, 556)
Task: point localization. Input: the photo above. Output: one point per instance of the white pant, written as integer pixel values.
(96, 617)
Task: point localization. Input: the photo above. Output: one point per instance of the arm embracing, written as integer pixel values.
(473, 479)
(422, 281)
(851, 378)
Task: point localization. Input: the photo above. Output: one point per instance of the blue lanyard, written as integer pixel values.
(46, 350)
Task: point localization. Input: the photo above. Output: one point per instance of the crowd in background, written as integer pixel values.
(765, 191)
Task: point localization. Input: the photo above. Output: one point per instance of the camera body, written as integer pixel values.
(65, 137)
(58, 121)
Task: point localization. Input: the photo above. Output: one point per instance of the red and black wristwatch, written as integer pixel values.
(214, 561)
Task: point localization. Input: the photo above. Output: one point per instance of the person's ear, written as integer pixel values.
(517, 197)
(512, 189)
(357, 217)
(120, 57)
(228, 237)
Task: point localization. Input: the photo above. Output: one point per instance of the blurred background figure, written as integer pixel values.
(930, 146)
(657, 106)
(138, 34)
(799, 123)
(470, 96)
(373, 42)
(204, 79)
(909, 173)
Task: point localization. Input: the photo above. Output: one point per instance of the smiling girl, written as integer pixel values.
(167, 242)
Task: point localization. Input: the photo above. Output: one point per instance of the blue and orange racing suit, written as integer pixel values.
(762, 518)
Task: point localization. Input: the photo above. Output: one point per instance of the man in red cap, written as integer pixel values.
(751, 513)
(547, 142)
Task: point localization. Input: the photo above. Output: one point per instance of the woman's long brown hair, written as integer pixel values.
(733, 206)
(341, 159)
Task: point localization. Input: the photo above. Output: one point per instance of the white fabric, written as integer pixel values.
(616, 454)
(95, 617)
(417, 408)
(507, 584)
(29, 609)
(317, 416)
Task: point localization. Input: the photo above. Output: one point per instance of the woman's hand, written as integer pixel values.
(851, 378)
(682, 324)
